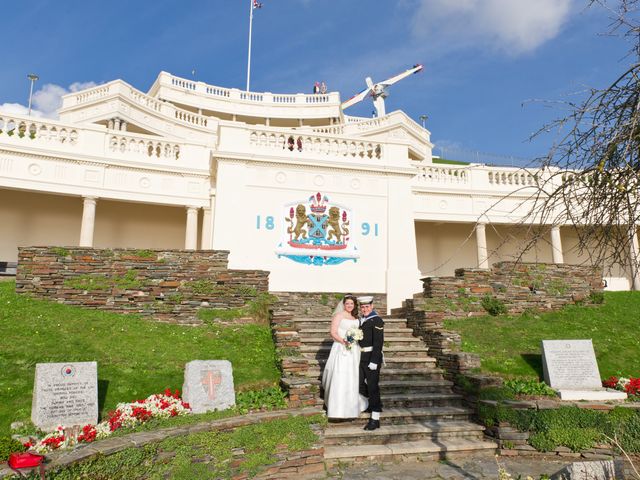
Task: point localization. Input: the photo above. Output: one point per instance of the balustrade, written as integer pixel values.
(442, 175)
(313, 144)
(37, 130)
(218, 91)
(93, 94)
(126, 144)
(511, 178)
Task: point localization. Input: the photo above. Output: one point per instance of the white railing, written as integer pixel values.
(356, 125)
(477, 177)
(142, 147)
(30, 129)
(442, 175)
(267, 98)
(297, 142)
(330, 129)
(510, 177)
(349, 119)
(93, 94)
(168, 110)
(96, 141)
(217, 91)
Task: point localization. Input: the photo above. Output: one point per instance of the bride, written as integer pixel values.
(340, 379)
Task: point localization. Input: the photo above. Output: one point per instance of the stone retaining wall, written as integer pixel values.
(319, 305)
(513, 442)
(168, 285)
(520, 286)
(301, 464)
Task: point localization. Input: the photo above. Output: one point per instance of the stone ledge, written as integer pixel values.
(109, 446)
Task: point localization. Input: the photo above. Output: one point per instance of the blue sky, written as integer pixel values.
(485, 60)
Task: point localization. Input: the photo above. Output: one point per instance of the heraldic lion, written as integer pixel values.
(301, 222)
(335, 229)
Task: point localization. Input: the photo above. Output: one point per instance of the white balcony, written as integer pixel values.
(58, 157)
(234, 101)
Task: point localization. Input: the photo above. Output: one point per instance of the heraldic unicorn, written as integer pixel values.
(317, 232)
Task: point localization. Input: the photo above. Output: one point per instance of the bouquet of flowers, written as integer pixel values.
(352, 336)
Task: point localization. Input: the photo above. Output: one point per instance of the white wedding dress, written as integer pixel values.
(340, 379)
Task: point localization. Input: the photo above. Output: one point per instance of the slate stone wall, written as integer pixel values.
(319, 305)
(168, 285)
(519, 286)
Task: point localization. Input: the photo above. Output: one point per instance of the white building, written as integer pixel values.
(287, 183)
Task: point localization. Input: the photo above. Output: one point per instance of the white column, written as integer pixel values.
(191, 233)
(205, 239)
(556, 245)
(481, 240)
(123, 126)
(116, 124)
(88, 221)
(635, 271)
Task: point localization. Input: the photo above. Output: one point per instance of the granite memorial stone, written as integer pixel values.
(208, 385)
(570, 367)
(65, 394)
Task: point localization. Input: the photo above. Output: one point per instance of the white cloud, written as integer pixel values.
(17, 109)
(512, 26)
(46, 100)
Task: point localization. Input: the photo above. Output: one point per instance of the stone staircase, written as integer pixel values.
(422, 416)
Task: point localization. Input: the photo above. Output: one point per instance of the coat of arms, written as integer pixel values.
(317, 232)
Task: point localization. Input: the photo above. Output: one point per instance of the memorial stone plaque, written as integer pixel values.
(65, 394)
(570, 364)
(208, 385)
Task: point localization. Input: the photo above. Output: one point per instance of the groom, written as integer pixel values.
(371, 359)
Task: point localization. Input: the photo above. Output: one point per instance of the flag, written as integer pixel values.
(256, 4)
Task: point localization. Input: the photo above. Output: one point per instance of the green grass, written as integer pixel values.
(445, 161)
(510, 346)
(202, 455)
(136, 357)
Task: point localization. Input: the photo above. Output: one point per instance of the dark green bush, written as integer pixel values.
(597, 297)
(267, 399)
(529, 387)
(493, 306)
(571, 427)
(7, 446)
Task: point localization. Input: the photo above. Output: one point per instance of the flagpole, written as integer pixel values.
(249, 56)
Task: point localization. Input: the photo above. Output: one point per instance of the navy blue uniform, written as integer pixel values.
(372, 340)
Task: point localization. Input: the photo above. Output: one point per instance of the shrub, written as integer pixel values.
(529, 387)
(493, 305)
(9, 445)
(267, 398)
(596, 298)
(260, 307)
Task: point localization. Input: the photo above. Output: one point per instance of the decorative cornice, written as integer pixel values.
(324, 166)
(102, 164)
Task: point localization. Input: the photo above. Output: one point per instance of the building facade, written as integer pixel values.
(286, 183)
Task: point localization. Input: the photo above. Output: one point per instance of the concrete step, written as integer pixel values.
(423, 450)
(404, 416)
(398, 386)
(414, 372)
(399, 361)
(324, 332)
(411, 400)
(389, 351)
(386, 434)
(321, 322)
(388, 339)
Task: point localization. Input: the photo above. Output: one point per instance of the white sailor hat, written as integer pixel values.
(365, 300)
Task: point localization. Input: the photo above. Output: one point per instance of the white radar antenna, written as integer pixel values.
(378, 91)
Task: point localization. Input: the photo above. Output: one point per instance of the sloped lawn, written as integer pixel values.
(510, 346)
(136, 357)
